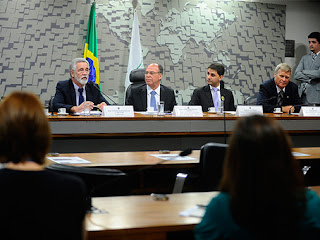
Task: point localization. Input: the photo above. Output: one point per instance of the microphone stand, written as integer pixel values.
(93, 84)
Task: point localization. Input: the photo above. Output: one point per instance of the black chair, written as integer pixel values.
(210, 166)
(252, 100)
(137, 79)
(50, 105)
(100, 182)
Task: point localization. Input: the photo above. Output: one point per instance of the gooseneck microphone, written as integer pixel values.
(93, 84)
(300, 105)
(113, 181)
(265, 100)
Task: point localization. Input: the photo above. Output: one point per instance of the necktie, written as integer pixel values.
(314, 56)
(280, 98)
(81, 99)
(215, 98)
(153, 100)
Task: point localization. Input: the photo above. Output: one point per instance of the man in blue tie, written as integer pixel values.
(75, 93)
(150, 94)
(308, 72)
(214, 94)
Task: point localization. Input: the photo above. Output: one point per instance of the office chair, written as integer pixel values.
(50, 105)
(252, 100)
(100, 182)
(210, 166)
(136, 78)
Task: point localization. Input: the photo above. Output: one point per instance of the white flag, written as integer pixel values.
(135, 55)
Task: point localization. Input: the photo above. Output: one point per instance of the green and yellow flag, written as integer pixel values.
(91, 47)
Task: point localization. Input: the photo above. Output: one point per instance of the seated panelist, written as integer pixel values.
(75, 93)
(279, 92)
(150, 94)
(212, 94)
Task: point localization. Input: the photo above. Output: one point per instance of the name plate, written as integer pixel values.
(248, 110)
(309, 111)
(187, 111)
(117, 111)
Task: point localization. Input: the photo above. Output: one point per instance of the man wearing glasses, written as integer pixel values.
(148, 96)
(75, 93)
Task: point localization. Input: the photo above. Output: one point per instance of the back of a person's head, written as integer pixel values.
(260, 173)
(24, 129)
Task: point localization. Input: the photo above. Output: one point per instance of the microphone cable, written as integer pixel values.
(109, 98)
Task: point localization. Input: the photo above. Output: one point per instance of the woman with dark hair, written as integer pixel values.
(262, 192)
(35, 203)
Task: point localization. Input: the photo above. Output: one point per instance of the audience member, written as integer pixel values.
(212, 94)
(262, 192)
(279, 92)
(151, 93)
(75, 93)
(36, 203)
(308, 72)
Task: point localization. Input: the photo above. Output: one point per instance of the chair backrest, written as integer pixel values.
(210, 166)
(50, 105)
(252, 100)
(137, 79)
(100, 182)
(137, 76)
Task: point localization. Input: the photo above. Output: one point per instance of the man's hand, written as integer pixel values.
(286, 109)
(80, 108)
(100, 105)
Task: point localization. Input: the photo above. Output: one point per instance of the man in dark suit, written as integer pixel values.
(213, 94)
(75, 93)
(150, 94)
(279, 92)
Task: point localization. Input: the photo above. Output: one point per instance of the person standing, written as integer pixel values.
(308, 72)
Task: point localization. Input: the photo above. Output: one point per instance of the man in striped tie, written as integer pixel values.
(279, 92)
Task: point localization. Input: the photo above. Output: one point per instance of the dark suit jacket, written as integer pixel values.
(138, 98)
(268, 90)
(202, 96)
(65, 96)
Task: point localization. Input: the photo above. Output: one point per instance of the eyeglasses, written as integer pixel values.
(151, 73)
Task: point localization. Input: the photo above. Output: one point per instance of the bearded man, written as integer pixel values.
(74, 94)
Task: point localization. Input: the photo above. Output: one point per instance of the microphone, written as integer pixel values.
(113, 181)
(266, 100)
(300, 105)
(93, 84)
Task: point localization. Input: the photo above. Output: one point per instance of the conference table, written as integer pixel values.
(141, 217)
(151, 132)
(152, 174)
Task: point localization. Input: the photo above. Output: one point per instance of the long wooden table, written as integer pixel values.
(151, 174)
(136, 160)
(142, 218)
(147, 132)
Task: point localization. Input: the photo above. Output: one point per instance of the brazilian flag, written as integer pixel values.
(91, 47)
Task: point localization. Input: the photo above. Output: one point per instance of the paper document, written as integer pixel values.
(68, 160)
(196, 211)
(297, 154)
(172, 157)
(91, 113)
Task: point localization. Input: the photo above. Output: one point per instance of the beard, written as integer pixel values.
(83, 80)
